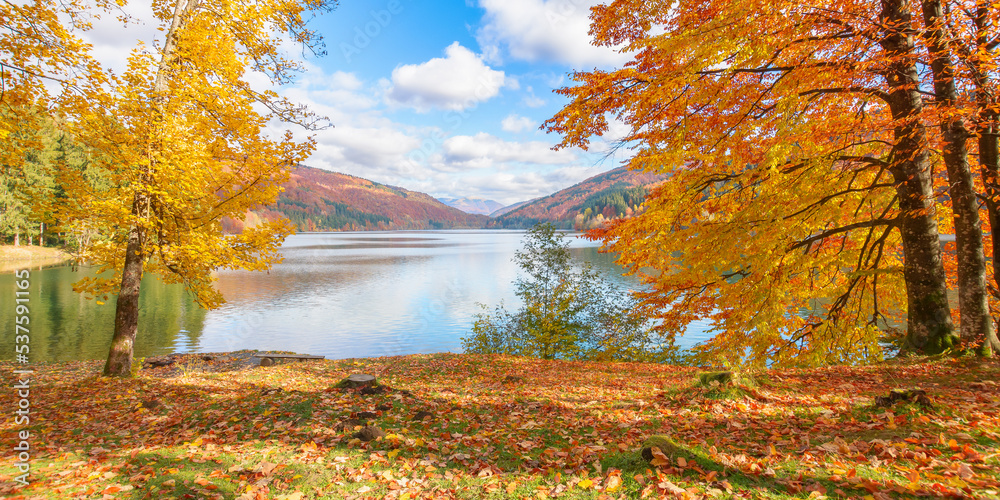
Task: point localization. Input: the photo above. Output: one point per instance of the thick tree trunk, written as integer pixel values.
(119, 362)
(929, 327)
(976, 324)
(989, 155)
(989, 158)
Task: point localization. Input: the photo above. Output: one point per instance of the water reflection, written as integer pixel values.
(66, 326)
(336, 294)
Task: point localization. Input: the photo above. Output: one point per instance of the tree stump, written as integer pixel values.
(918, 396)
(369, 433)
(357, 380)
(157, 363)
(666, 445)
(152, 404)
(266, 362)
(422, 415)
(374, 389)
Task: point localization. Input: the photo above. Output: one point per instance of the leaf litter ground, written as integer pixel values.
(502, 427)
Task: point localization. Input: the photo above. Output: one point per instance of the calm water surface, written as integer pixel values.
(341, 295)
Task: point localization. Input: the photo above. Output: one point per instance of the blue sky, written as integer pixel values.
(444, 97)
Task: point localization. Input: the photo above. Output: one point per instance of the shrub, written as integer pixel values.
(569, 311)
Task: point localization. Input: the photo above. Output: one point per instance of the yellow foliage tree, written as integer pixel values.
(180, 140)
(43, 66)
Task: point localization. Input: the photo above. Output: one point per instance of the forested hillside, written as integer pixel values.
(320, 200)
(617, 193)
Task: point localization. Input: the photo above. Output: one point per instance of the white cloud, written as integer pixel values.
(531, 100)
(457, 81)
(512, 186)
(516, 123)
(113, 40)
(484, 150)
(543, 30)
(372, 147)
(369, 143)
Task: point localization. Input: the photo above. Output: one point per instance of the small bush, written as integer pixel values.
(570, 311)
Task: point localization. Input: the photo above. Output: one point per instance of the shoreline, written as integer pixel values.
(19, 257)
(200, 362)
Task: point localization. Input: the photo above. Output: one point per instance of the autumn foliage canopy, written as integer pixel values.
(803, 144)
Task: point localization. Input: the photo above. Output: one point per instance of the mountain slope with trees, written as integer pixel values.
(320, 200)
(616, 193)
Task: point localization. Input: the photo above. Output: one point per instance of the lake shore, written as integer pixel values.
(24, 256)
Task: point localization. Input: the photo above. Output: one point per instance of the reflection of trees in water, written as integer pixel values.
(307, 275)
(407, 299)
(67, 326)
(169, 318)
(605, 264)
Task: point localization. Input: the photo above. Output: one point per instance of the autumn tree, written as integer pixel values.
(45, 70)
(963, 35)
(799, 215)
(976, 43)
(180, 140)
(951, 114)
(29, 180)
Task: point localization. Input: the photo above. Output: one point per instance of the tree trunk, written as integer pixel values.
(976, 324)
(929, 327)
(989, 155)
(17, 238)
(989, 158)
(119, 362)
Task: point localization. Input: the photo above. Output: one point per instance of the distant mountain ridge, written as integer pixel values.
(321, 200)
(616, 193)
(508, 208)
(473, 205)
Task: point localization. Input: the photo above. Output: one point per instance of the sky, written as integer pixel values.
(440, 96)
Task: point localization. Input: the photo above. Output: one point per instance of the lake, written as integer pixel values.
(340, 295)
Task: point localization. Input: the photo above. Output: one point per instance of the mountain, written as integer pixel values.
(616, 193)
(473, 205)
(508, 208)
(320, 200)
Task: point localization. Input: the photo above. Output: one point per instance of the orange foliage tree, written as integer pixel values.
(799, 215)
